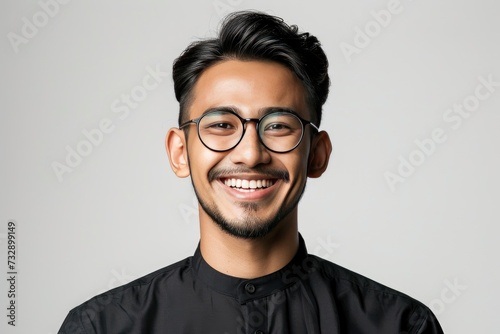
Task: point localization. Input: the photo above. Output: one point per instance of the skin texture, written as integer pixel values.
(248, 233)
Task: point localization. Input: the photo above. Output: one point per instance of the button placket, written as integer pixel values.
(257, 316)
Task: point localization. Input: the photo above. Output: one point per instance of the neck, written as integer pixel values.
(248, 258)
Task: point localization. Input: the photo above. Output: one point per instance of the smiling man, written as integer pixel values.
(248, 137)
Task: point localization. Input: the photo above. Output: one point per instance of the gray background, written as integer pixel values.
(121, 213)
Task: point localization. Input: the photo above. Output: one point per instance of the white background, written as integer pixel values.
(121, 213)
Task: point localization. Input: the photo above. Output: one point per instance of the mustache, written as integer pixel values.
(272, 173)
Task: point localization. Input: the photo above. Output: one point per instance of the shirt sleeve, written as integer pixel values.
(426, 322)
(73, 324)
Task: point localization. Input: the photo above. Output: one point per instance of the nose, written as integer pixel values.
(250, 150)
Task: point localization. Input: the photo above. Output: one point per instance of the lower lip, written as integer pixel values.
(250, 194)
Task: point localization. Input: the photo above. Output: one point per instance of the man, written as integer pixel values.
(248, 137)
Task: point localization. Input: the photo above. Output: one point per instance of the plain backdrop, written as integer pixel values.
(119, 212)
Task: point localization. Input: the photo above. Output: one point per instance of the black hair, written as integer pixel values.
(251, 35)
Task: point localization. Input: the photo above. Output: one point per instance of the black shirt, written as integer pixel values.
(309, 295)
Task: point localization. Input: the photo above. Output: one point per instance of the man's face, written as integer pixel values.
(248, 190)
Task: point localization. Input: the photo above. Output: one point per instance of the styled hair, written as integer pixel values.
(251, 35)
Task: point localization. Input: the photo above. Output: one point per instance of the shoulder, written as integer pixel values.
(130, 295)
(152, 280)
(362, 297)
(348, 278)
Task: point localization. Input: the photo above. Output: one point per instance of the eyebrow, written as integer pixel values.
(268, 110)
(261, 112)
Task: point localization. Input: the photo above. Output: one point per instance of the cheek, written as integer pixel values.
(301, 159)
(297, 168)
(201, 160)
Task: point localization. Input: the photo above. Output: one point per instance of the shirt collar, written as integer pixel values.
(245, 290)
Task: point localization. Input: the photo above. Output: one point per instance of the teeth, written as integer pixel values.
(248, 184)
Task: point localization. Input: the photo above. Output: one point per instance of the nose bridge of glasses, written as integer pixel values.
(245, 122)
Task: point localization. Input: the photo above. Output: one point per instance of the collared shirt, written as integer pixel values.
(309, 295)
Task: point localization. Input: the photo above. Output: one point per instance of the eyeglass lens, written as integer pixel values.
(222, 130)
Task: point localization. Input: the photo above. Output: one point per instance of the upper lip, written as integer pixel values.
(249, 177)
(271, 174)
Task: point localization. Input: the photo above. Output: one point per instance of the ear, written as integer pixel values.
(175, 143)
(321, 148)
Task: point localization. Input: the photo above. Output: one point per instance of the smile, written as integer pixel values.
(248, 184)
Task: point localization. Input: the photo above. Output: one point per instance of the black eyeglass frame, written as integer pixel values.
(244, 121)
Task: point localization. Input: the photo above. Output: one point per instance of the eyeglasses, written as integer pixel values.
(222, 130)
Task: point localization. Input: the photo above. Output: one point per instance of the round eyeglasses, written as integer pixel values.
(222, 130)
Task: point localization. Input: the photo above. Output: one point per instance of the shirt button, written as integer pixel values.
(250, 288)
(258, 331)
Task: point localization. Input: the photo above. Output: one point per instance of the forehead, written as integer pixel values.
(249, 87)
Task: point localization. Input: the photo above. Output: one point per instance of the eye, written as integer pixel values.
(278, 129)
(221, 126)
(219, 123)
(277, 126)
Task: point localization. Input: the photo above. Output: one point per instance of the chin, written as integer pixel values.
(249, 228)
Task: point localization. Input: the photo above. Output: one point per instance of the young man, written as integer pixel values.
(248, 137)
